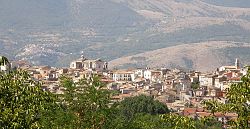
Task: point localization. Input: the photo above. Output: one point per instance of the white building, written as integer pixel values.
(207, 80)
(236, 66)
(148, 74)
(220, 81)
(86, 64)
(123, 76)
(153, 75)
(139, 73)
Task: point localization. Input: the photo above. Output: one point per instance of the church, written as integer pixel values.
(87, 64)
(236, 66)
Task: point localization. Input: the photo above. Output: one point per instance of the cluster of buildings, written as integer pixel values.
(182, 91)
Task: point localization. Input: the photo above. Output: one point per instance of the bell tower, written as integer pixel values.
(237, 63)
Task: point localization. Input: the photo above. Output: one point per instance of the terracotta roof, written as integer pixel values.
(231, 114)
(219, 114)
(203, 114)
(121, 96)
(188, 111)
(234, 79)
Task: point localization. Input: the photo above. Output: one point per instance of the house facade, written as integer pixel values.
(123, 76)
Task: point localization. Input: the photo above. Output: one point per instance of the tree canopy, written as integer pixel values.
(22, 101)
(238, 98)
(88, 100)
(129, 107)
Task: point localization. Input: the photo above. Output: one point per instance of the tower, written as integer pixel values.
(237, 63)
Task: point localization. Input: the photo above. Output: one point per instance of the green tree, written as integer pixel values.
(129, 107)
(174, 121)
(213, 106)
(88, 100)
(146, 121)
(238, 98)
(57, 117)
(178, 122)
(195, 85)
(22, 101)
(138, 113)
(208, 122)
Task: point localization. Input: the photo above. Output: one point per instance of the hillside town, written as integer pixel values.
(182, 91)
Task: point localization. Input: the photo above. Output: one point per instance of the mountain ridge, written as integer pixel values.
(196, 56)
(56, 32)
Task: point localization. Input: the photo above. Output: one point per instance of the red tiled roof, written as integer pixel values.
(234, 79)
(203, 114)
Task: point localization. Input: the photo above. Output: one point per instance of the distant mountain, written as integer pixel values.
(205, 56)
(54, 32)
(230, 3)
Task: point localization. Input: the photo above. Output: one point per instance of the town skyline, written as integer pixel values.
(176, 83)
(125, 64)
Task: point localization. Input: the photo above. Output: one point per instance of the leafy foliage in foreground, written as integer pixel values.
(178, 122)
(22, 101)
(238, 96)
(84, 104)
